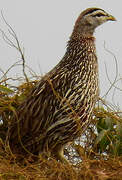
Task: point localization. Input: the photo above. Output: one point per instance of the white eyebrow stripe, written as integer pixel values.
(99, 12)
(94, 13)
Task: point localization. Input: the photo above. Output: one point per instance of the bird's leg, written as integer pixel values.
(58, 153)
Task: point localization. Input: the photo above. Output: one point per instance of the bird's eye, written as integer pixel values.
(98, 15)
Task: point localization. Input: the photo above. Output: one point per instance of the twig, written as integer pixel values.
(16, 46)
(115, 79)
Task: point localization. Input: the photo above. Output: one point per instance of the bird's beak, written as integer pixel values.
(111, 18)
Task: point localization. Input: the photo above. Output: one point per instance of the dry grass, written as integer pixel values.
(53, 170)
(94, 165)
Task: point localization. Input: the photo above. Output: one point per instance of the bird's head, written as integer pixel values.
(90, 19)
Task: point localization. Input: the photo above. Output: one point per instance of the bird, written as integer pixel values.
(59, 107)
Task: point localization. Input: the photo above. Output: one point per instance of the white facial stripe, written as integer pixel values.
(99, 12)
(94, 13)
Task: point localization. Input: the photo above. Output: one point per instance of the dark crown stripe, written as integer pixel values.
(92, 10)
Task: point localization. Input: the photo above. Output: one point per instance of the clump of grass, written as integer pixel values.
(53, 170)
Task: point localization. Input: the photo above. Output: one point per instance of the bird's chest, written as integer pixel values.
(83, 80)
(79, 91)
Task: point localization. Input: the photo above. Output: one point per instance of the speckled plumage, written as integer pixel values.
(59, 108)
